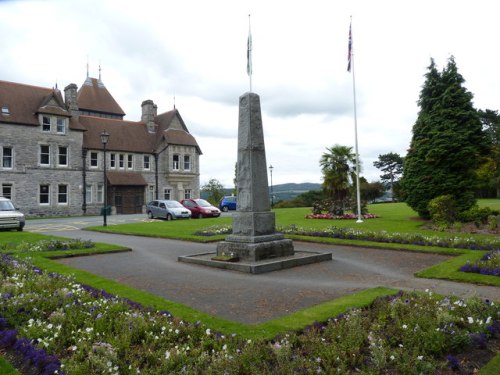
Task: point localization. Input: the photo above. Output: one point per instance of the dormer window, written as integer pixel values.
(45, 123)
(5, 111)
(61, 125)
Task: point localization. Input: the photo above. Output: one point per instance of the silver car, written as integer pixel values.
(167, 209)
(10, 217)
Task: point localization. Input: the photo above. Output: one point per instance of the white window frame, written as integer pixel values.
(60, 125)
(167, 193)
(7, 190)
(44, 194)
(47, 154)
(151, 193)
(94, 159)
(88, 194)
(187, 193)
(130, 161)
(59, 155)
(175, 162)
(100, 193)
(63, 194)
(187, 162)
(121, 161)
(46, 124)
(146, 165)
(9, 158)
(112, 161)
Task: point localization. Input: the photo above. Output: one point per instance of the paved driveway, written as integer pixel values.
(152, 266)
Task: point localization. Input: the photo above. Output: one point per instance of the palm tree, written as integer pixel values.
(339, 172)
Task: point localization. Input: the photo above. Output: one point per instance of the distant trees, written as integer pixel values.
(392, 166)
(215, 191)
(447, 143)
(489, 170)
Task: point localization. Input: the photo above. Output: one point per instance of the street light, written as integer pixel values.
(104, 141)
(272, 197)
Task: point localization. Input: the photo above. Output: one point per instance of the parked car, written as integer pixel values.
(227, 203)
(10, 216)
(200, 208)
(167, 209)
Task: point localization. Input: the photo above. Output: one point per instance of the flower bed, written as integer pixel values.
(469, 243)
(61, 326)
(47, 245)
(340, 217)
(489, 264)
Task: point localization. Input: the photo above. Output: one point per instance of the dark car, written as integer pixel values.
(200, 208)
(227, 203)
(167, 209)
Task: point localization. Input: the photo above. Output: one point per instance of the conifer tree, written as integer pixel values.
(446, 145)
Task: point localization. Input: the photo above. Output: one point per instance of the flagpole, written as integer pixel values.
(249, 53)
(351, 67)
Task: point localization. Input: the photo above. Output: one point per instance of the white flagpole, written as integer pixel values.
(351, 67)
(249, 53)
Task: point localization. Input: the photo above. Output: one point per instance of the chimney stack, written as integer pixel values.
(149, 110)
(70, 92)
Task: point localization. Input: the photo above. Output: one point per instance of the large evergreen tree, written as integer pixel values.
(446, 145)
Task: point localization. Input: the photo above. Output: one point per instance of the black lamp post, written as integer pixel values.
(104, 141)
(272, 196)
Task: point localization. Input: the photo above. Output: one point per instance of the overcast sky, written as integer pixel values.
(195, 51)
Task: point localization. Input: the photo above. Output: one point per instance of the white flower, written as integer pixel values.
(208, 331)
(470, 320)
(420, 357)
(405, 326)
(392, 358)
(167, 354)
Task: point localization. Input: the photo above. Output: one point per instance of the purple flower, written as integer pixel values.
(453, 362)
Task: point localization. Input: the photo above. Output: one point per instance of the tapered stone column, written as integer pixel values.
(254, 235)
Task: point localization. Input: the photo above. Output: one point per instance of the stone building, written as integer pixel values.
(52, 156)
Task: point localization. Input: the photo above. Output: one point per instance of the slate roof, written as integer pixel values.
(125, 178)
(94, 96)
(24, 102)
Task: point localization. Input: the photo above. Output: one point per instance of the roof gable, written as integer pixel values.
(94, 97)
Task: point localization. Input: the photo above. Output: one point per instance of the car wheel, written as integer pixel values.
(225, 209)
(200, 216)
(150, 215)
(169, 217)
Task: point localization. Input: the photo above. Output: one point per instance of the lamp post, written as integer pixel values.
(272, 196)
(104, 141)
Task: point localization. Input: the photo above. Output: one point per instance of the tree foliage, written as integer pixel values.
(392, 166)
(489, 171)
(215, 191)
(338, 166)
(446, 144)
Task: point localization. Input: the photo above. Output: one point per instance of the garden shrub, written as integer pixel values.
(442, 210)
(475, 215)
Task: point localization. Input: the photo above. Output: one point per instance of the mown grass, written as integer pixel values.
(6, 368)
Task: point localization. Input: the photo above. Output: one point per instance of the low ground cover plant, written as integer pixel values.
(46, 245)
(489, 264)
(62, 326)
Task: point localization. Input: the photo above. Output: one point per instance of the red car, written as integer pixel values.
(200, 208)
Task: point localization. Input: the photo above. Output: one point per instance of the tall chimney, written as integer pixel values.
(70, 97)
(148, 114)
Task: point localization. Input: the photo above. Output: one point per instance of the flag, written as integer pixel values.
(349, 52)
(249, 53)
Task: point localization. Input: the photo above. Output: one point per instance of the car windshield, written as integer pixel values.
(174, 204)
(6, 206)
(203, 203)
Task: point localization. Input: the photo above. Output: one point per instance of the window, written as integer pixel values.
(187, 194)
(93, 160)
(151, 193)
(45, 123)
(7, 158)
(167, 194)
(130, 161)
(121, 161)
(6, 191)
(44, 155)
(62, 157)
(62, 194)
(44, 196)
(5, 111)
(175, 164)
(112, 161)
(88, 193)
(147, 163)
(100, 193)
(187, 163)
(61, 125)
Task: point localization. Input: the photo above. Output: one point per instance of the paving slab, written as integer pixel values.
(153, 266)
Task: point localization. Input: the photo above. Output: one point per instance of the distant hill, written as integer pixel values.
(282, 192)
